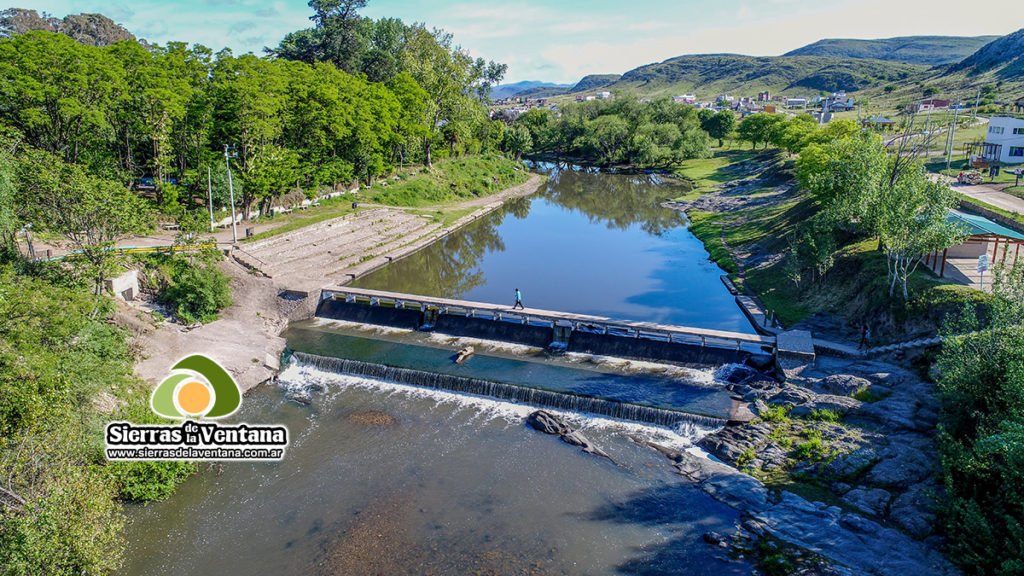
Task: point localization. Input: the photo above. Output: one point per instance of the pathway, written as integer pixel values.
(990, 194)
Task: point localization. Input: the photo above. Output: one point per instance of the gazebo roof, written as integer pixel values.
(981, 226)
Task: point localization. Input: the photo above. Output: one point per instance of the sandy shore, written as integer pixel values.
(246, 338)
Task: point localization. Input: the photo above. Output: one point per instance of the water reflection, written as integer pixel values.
(589, 242)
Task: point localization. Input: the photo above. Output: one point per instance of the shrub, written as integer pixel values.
(193, 287)
(812, 449)
(777, 414)
(146, 481)
(824, 416)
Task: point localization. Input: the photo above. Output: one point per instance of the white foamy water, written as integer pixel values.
(298, 377)
(611, 363)
(695, 376)
(448, 340)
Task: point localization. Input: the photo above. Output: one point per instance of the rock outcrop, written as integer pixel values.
(548, 423)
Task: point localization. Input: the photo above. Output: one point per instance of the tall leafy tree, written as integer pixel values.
(57, 93)
(90, 213)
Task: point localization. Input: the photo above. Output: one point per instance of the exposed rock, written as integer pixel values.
(548, 423)
(715, 539)
(761, 361)
(848, 539)
(869, 501)
(852, 464)
(732, 441)
(302, 397)
(901, 466)
(840, 404)
(792, 396)
(840, 487)
(841, 384)
(914, 510)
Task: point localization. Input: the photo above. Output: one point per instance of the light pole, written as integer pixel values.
(231, 190)
(952, 137)
(209, 195)
(27, 229)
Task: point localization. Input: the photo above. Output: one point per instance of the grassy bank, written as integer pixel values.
(442, 188)
(853, 291)
(705, 173)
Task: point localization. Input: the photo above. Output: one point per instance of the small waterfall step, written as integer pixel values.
(568, 401)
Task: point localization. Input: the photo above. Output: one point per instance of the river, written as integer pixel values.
(386, 478)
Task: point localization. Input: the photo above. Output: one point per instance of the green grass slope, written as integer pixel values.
(924, 50)
(711, 74)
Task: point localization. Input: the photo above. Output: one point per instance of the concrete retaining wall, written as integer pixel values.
(339, 310)
(640, 348)
(537, 336)
(486, 329)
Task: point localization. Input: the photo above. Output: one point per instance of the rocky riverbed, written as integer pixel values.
(840, 463)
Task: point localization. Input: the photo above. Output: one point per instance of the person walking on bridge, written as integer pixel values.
(519, 300)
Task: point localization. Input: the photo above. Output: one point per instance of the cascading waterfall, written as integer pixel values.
(523, 394)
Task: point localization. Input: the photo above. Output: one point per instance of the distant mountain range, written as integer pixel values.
(926, 50)
(902, 65)
(518, 88)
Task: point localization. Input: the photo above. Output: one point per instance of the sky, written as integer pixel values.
(564, 40)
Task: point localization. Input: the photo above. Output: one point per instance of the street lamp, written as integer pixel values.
(229, 153)
(27, 229)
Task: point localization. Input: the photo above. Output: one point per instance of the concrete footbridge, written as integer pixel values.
(556, 329)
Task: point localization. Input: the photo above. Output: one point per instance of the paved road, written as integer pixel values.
(992, 195)
(986, 193)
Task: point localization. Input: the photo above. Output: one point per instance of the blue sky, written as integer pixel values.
(564, 40)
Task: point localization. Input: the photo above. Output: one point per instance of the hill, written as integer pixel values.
(924, 50)
(1003, 57)
(525, 88)
(711, 74)
(92, 29)
(595, 81)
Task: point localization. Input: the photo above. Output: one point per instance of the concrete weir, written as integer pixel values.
(543, 328)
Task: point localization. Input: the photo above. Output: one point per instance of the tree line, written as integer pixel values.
(621, 131)
(294, 120)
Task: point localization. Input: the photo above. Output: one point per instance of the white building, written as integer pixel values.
(796, 102)
(604, 95)
(685, 99)
(1004, 142)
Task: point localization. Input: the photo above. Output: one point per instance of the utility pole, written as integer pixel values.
(977, 101)
(209, 195)
(27, 229)
(231, 191)
(952, 137)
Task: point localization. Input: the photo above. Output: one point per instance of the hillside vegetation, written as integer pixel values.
(711, 74)
(1004, 57)
(924, 50)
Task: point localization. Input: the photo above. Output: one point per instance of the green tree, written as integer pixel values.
(58, 93)
(912, 218)
(719, 125)
(518, 141)
(758, 128)
(90, 213)
(981, 434)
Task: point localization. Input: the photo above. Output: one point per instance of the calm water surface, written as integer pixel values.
(386, 479)
(588, 243)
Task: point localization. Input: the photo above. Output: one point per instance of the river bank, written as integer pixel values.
(246, 338)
